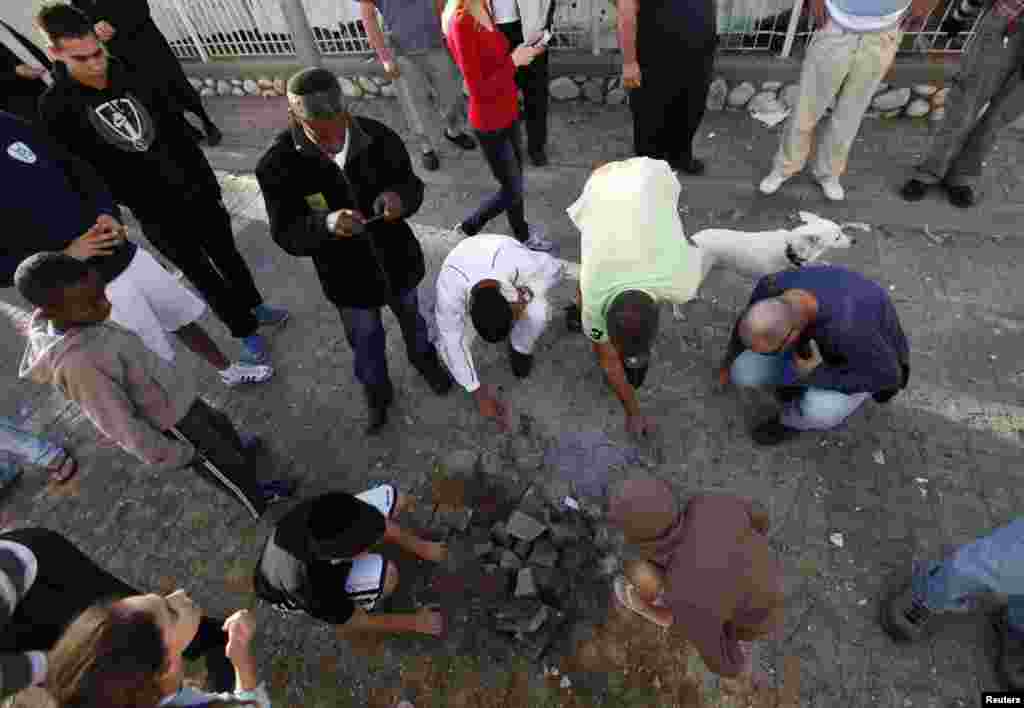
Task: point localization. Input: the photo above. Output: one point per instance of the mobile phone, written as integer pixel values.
(542, 41)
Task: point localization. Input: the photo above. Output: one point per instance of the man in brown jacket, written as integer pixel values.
(133, 396)
(707, 570)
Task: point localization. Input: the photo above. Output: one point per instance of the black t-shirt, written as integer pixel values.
(288, 574)
(666, 27)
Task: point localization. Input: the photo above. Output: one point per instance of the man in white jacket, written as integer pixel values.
(500, 286)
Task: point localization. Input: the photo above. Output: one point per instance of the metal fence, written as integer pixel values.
(212, 29)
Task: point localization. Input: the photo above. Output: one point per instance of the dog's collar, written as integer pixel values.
(794, 257)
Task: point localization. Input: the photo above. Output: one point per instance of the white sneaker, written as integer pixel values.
(771, 183)
(832, 189)
(537, 242)
(242, 373)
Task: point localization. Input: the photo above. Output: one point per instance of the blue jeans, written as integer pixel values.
(991, 564)
(17, 444)
(503, 151)
(815, 409)
(365, 333)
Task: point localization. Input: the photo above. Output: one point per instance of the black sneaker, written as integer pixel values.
(773, 432)
(462, 140)
(430, 161)
(521, 363)
(914, 190)
(277, 490)
(1011, 653)
(691, 166)
(435, 374)
(220, 672)
(904, 618)
(539, 158)
(573, 318)
(960, 195)
(213, 135)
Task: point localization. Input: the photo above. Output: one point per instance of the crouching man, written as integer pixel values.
(705, 569)
(317, 561)
(826, 339)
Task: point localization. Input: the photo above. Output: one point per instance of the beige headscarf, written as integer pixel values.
(646, 510)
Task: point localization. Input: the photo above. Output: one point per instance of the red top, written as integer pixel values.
(483, 57)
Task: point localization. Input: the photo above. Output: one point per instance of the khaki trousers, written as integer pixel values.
(430, 93)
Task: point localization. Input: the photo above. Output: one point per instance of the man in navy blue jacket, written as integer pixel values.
(54, 201)
(827, 339)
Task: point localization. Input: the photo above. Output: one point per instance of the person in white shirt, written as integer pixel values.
(502, 287)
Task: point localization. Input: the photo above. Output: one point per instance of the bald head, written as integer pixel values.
(767, 324)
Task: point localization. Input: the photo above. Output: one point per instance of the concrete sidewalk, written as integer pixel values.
(938, 466)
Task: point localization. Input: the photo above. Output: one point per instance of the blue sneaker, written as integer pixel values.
(269, 316)
(255, 349)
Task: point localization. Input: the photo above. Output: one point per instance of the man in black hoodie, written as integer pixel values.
(135, 137)
(127, 28)
(54, 201)
(320, 180)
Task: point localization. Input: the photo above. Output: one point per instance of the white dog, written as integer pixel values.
(758, 253)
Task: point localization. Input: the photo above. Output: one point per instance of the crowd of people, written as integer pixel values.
(339, 189)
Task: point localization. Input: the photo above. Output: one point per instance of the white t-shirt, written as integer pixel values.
(505, 11)
(840, 21)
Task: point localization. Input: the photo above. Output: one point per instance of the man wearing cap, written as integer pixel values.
(322, 179)
(705, 569)
(501, 286)
(634, 256)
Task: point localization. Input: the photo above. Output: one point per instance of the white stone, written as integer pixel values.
(939, 99)
(891, 100)
(251, 87)
(380, 80)
(741, 94)
(938, 113)
(206, 91)
(925, 90)
(238, 91)
(237, 82)
(771, 85)
(918, 107)
(265, 83)
(564, 89)
(764, 102)
(593, 90)
(579, 78)
(196, 83)
(790, 95)
(211, 82)
(389, 90)
(368, 85)
(223, 88)
(615, 97)
(281, 86)
(717, 94)
(349, 87)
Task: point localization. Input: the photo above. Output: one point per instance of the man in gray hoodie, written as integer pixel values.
(132, 396)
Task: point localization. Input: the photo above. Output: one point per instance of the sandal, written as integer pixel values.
(63, 469)
(624, 594)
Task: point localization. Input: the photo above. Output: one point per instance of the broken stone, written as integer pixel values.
(610, 565)
(523, 617)
(717, 94)
(544, 554)
(499, 534)
(891, 100)
(574, 558)
(525, 585)
(481, 550)
(458, 519)
(544, 577)
(510, 561)
(741, 94)
(490, 568)
(524, 527)
(522, 549)
(461, 463)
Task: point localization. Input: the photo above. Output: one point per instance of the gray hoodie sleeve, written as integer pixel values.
(17, 573)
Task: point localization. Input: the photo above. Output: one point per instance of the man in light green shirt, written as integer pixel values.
(634, 256)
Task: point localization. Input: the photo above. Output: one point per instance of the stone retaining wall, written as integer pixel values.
(772, 96)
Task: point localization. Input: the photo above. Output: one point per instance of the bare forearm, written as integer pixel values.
(616, 377)
(389, 623)
(246, 678)
(627, 30)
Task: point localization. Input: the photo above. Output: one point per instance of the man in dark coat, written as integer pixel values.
(320, 180)
(24, 73)
(127, 28)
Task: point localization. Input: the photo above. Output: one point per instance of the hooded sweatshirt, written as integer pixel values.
(18, 570)
(129, 393)
(133, 134)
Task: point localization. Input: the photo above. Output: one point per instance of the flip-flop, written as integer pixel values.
(624, 594)
(63, 469)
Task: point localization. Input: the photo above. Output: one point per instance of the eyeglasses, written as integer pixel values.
(88, 57)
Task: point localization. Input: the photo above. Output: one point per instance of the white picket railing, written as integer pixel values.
(211, 29)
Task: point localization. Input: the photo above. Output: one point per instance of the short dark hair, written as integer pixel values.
(633, 322)
(58, 21)
(491, 314)
(41, 279)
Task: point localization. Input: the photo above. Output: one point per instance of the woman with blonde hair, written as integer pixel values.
(482, 53)
(129, 654)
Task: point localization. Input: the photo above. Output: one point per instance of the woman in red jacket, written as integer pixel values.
(482, 53)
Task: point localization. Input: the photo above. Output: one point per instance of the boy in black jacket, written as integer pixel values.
(322, 180)
(135, 137)
(54, 201)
